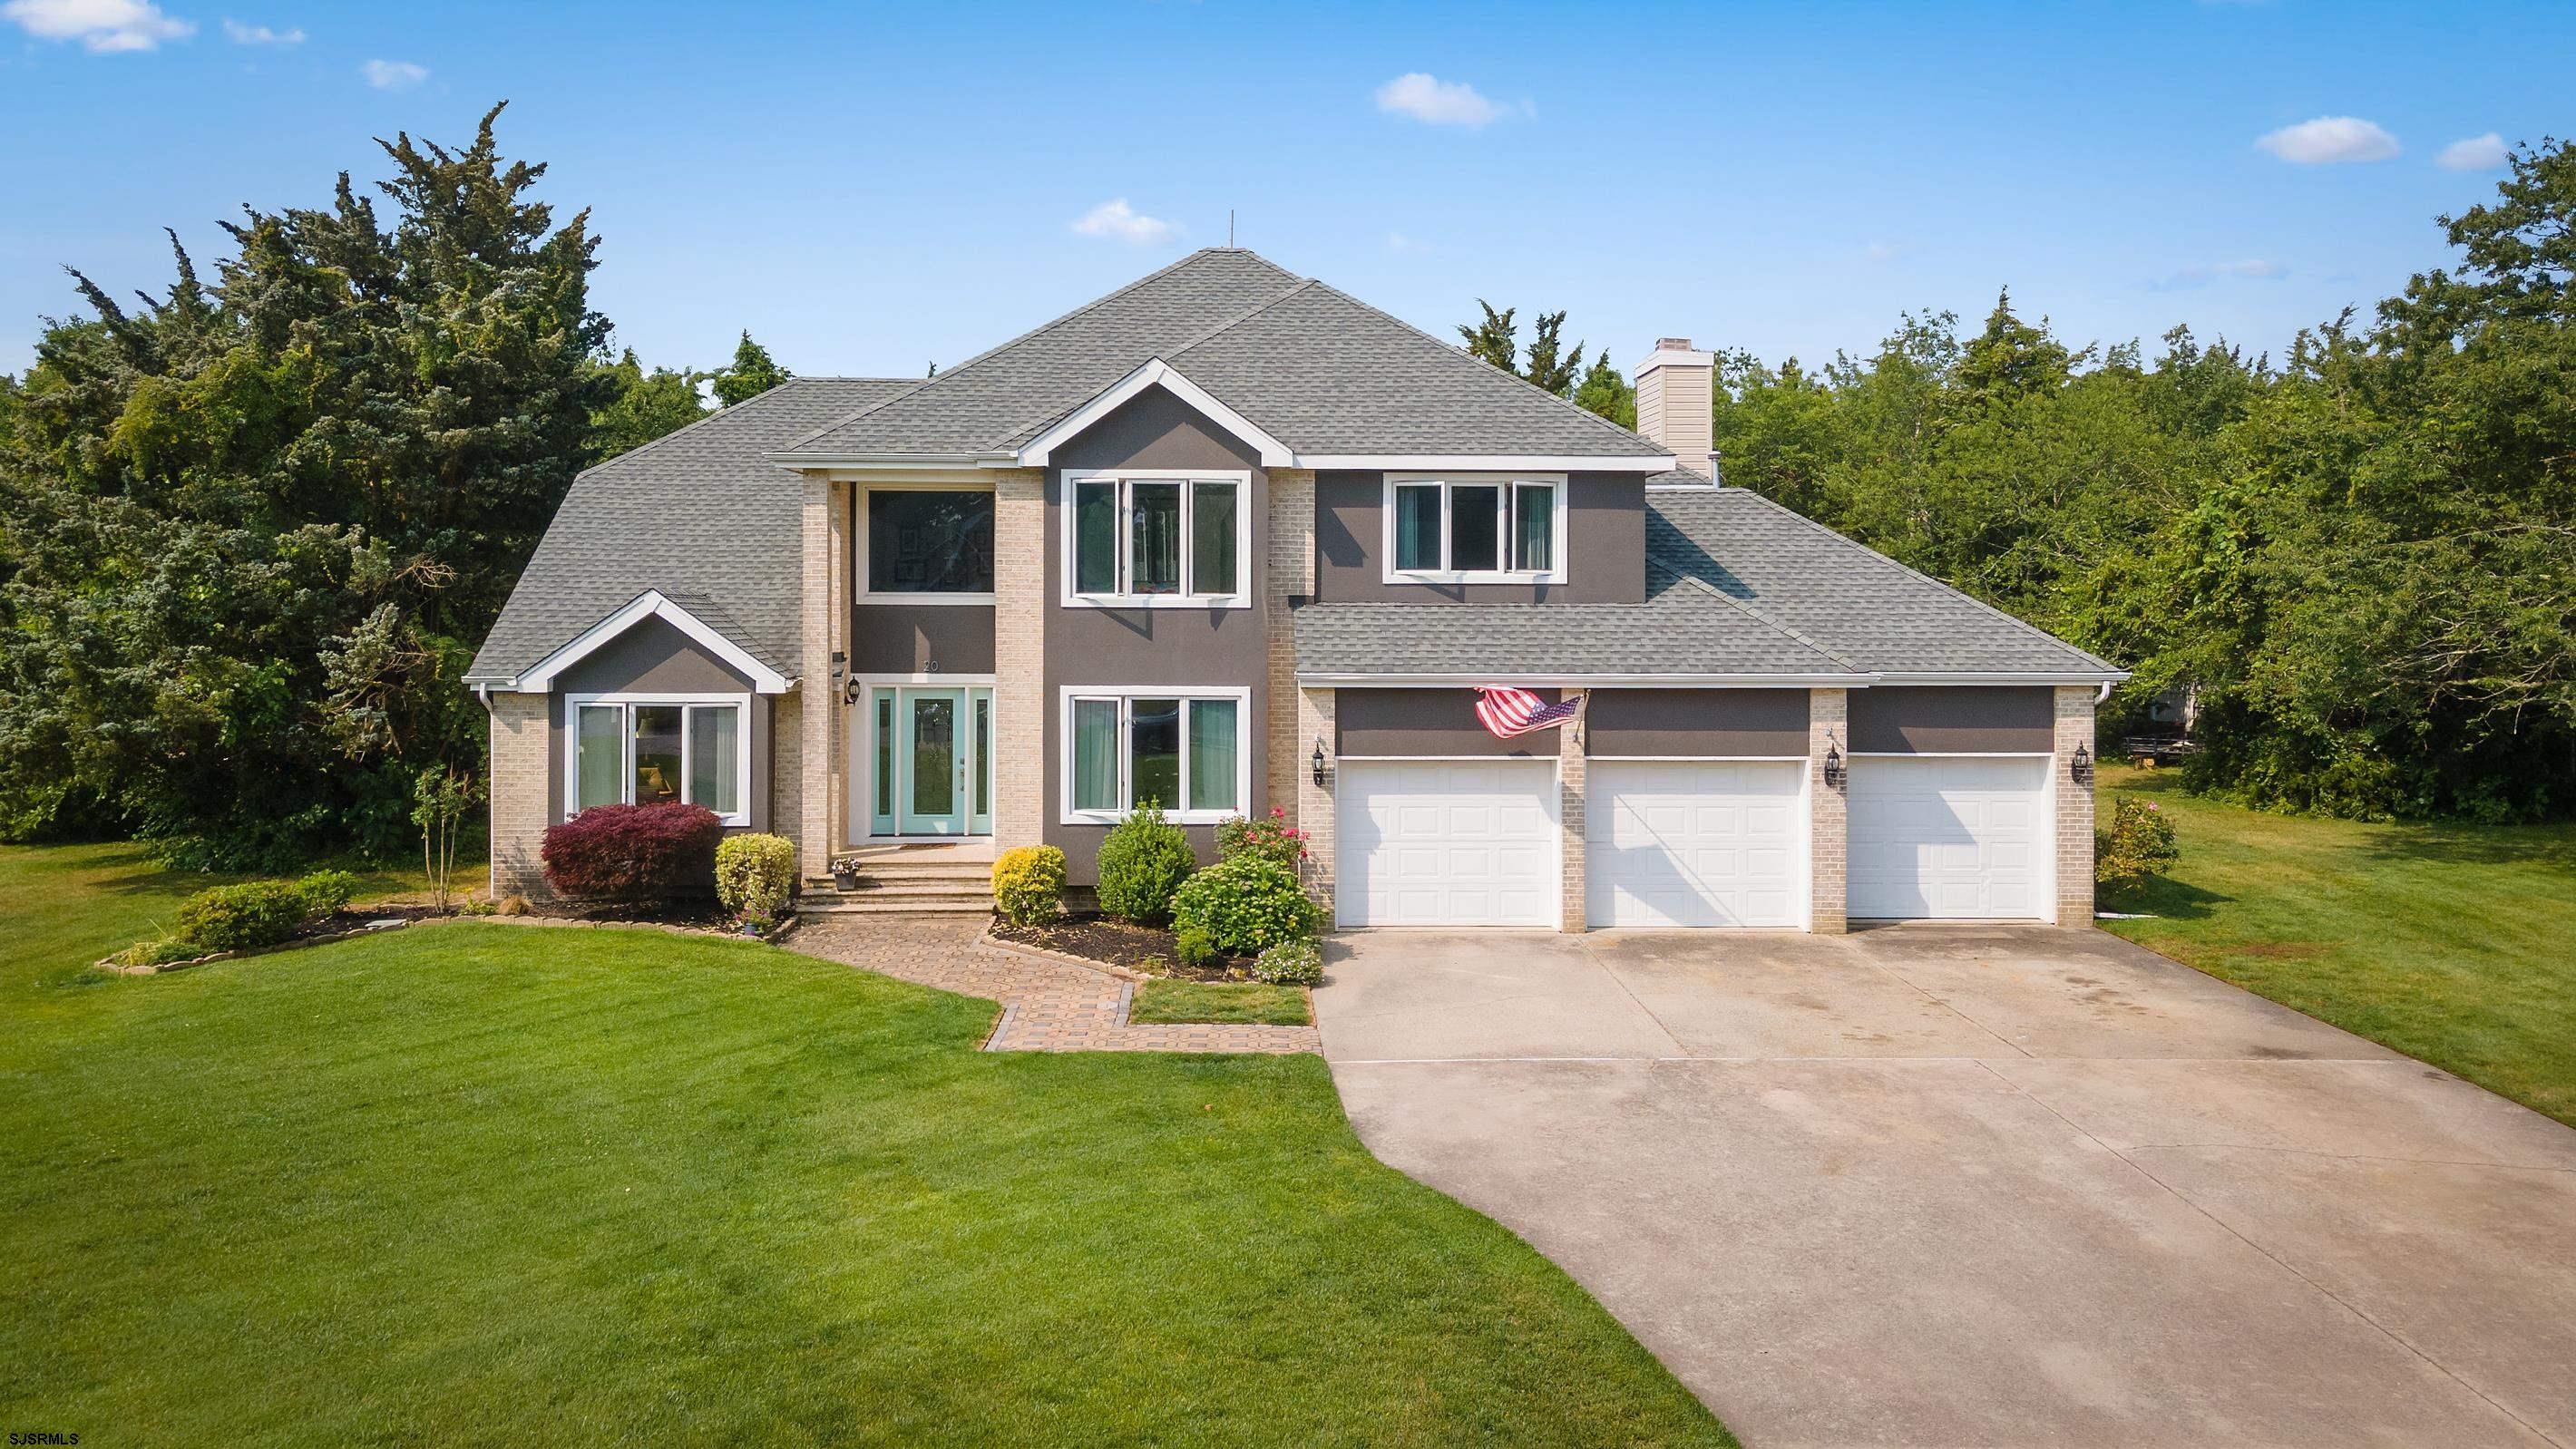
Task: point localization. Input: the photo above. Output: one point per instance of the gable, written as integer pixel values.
(1155, 429)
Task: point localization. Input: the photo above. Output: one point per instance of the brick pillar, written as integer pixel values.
(1020, 705)
(2074, 807)
(1828, 883)
(1571, 837)
(1313, 812)
(523, 802)
(1289, 566)
(815, 686)
(787, 768)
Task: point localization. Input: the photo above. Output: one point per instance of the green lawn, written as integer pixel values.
(1253, 1003)
(485, 1184)
(2455, 944)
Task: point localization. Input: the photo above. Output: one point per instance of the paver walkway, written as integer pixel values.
(1047, 1005)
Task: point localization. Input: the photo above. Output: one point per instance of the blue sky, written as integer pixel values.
(871, 189)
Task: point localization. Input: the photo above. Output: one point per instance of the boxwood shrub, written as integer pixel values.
(755, 874)
(637, 854)
(1245, 905)
(243, 917)
(1142, 862)
(1028, 885)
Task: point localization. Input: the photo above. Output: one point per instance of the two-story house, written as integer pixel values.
(1227, 539)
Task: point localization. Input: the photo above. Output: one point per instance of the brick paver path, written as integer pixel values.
(1047, 1005)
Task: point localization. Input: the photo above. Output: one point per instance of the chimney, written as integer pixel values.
(1673, 398)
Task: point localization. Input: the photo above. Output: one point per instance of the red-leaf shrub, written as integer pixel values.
(634, 853)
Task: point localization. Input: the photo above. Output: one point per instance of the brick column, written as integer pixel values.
(787, 769)
(1571, 837)
(522, 793)
(1828, 883)
(2074, 807)
(1313, 812)
(1290, 568)
(836, 640)
(1020, 705)
(815, 687)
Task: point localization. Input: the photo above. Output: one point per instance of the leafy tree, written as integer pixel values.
(753, 372)
(1605, 392)
(643, 406)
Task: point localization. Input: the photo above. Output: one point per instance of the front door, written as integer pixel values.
(929, 756)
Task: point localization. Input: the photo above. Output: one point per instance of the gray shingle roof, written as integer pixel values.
(1736, 585)
(697, 515)
(1321, 372)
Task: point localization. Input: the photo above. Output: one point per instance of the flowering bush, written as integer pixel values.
(2138, 844)
(1245, 905)
(1028, 885)
(635, 853)
(1291, 963)
(1273, 839)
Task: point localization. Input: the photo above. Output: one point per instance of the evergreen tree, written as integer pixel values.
(1495, 339)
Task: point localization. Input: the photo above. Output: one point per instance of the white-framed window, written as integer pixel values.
(637, 749)
(1474, 528)
(1187, 750)
(1158, 539)
(923, 543)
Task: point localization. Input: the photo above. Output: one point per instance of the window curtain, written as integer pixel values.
(1095, 754)
(1417, 526)
(1534, 527)
(1212, 564)
(715, 757)
(602, 755)
(1095, 538)
(1212, 755)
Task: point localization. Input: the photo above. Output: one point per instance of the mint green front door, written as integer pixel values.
(930, 759)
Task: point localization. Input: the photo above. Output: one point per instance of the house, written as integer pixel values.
(1229, 540)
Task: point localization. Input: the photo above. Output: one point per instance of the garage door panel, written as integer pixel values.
(1693, 844)
(1948, 836)
(1447, 843)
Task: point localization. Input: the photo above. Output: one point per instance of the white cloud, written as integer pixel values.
(2478, 153)
(393, 75)
(1436, 102)
(2328, 140)
(241, 34)
(1880, 251)
(1397, 241)
(1115, 218)
(104, 26)
(2250, 270)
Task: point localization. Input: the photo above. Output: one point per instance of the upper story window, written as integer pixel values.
(1475, 529)
(930, 541)
(1157, 540)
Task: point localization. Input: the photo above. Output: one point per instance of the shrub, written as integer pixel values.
(1246, 905)
(1291, 963)
(1028, 885)
(241, 917)
(637, 853)
(755, 874)
(158, 953)
(1142, 863)
(326, 891)
(2138, 844)
(1194, 946)
(1273, 839)
(513, 905)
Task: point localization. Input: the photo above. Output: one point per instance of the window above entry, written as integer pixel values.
(1474, 529)
(926, 545)
(1143, 539)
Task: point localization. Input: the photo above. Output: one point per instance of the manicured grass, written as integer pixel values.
(491, 1184)
(1252, 1003)
(2454, 944)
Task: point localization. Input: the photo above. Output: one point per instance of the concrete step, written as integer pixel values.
(880, 905)
(875, 889)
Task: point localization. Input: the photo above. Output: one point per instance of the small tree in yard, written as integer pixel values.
(440, 801)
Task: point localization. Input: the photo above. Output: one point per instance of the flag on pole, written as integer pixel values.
(1506, 712)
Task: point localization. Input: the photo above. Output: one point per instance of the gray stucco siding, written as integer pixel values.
(1181, 648)
(921, 638)
(1605, 546)
(1427, 724)
(1962, 719)
(1696, 723)
(654, 657)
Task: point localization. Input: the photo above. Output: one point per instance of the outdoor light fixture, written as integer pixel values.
(850, 692)
(1833, 765)
(2082, 765)
(1318, 762)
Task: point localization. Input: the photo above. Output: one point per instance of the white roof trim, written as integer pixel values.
(542, 677)
(1492, 462)
(1156, 373)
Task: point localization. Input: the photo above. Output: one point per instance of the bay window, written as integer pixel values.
(1178, 749)
(1490, 530)
(1156, 540)
(642, 751)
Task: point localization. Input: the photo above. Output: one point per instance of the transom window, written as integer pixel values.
(929, 541)
(642, 751)
(1180, 750)
(1157, 540)
(1498, 530)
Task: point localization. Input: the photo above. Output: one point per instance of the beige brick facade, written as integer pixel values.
(2074, 807)
(1290, 571)
(522, 793)
(816, 693)
(1571, 788)
(787, 771)
(1314, 809)
(1828, 880)
(1019, 657)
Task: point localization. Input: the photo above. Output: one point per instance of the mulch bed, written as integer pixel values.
(1122, 943)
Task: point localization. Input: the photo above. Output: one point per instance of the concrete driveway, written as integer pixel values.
(1973, 1186)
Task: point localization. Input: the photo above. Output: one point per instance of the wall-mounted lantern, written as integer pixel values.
(2082, 765)
(1833, 765)
(1318, 762)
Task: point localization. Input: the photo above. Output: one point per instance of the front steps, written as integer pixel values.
(947, 878)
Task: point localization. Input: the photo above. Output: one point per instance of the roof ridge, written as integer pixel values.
(2016, 622)
(1094, 304)
(1569, 406)
(723, 412)
(1761, 618)
(1172, 362)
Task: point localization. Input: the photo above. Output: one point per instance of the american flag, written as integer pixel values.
(1506, 712)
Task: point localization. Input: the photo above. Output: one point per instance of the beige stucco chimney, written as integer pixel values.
(1673, 398)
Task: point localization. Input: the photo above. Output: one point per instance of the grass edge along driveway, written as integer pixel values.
(476, 1183)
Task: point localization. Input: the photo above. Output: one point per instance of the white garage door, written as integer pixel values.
(1950, 836)
(1446, 843)
(1693, 843)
